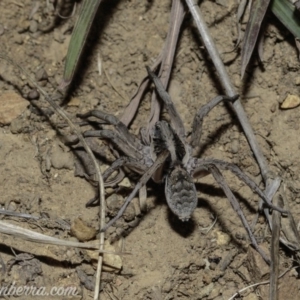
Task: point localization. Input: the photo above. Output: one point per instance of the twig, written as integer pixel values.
(259, 283)
(208, 229)
(76, 130)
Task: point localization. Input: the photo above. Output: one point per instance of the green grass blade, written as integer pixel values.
(78, 38)
(286, 12)
(258, 11)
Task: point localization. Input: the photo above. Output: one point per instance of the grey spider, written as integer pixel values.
(171, 158)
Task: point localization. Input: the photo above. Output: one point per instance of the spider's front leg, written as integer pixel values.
(119, 141)
(123, 161)
(124, 141)
(198, 120)
(112, 120)
(122, 138)
(176, 120)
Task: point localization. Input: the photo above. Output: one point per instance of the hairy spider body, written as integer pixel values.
(172, 158)
(181, 192)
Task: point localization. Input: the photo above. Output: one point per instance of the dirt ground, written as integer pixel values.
(168, 259)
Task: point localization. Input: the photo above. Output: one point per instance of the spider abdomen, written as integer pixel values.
(181, 193)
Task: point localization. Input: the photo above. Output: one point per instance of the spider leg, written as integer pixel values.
(124, 161)
(242, 176)
(176, 120)
(147, 175)
(198, 119)
(119, 140)
(236, 206)
(117, 164)
(112, 120)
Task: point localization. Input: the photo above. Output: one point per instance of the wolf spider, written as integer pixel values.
(171, 158)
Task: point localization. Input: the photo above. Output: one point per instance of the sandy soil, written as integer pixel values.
(169, 259)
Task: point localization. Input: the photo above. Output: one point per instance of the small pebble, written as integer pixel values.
(111, 262)
(74, 102)
(61, 159)
(12, 105)
(23, 25)
(16, 125)
(273, 107)
(205, 291)
(18, 39)
(33, 95)
(235, 146)
(41, 74)
(125, 182)
(1, 29)
(291, 101)
(12, 206)
(223, 239)
(297, 80)
(33, 26)
(82, 231)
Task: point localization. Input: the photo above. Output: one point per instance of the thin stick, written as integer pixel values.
(290, 237)
(76, 130)
(17, 214)
(259, 283)
(36, 237)
(227, 85)
(274, 270)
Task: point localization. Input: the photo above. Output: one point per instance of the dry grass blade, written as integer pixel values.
(274, 270)
(163, 62)
(258, 11)
(18, 215)
(240, 12)
(134, 103)
(288, 225)
(290, 236)
(176, 19)
(77, 131)
(30, 235)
